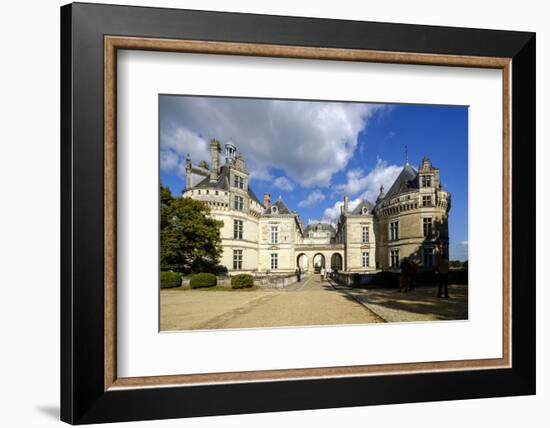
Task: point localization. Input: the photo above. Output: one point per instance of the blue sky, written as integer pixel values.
(313, 153)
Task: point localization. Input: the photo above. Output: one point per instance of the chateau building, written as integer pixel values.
(410, 220)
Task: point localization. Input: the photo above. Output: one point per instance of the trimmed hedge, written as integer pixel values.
(170, 279)
(203, 280)
(242, 280)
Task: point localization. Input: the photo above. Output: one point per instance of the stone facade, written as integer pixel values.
(355, 229)
(412, 218)
(409, 221)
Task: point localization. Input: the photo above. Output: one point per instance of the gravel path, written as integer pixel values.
(311, 302)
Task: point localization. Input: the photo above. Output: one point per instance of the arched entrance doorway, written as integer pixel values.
(318, 262)
(302, 262)
(336, 262)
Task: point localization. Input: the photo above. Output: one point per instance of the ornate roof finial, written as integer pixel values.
(406, 155)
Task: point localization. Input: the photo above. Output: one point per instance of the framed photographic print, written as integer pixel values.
(266, 213)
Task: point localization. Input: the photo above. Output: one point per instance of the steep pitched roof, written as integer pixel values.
(364, 203)
(405, 182)
(281, 208)
(221, 183)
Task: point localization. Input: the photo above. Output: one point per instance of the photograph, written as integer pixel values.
(264, 212)
(295, 213)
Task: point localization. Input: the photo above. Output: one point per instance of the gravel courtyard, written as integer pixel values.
(310, 302)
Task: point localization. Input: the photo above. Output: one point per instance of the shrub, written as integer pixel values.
(386, 279)
(170, 279)
(208, 266)
(202, 280)
(242, 280)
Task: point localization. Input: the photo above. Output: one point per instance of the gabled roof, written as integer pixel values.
(405, 182)
(222, 183)
(359, 208)
(281, 208)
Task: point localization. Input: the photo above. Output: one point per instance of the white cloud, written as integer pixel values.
(175, 143)
(369, 185)
(331, 214)
(283, 183)
(313, 198)
(364, 186)
(181, 141)
(168, 160)
(309, 141)
(463, 243)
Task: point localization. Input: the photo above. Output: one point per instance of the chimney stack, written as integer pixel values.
(267, 200)
(346, 204)
(215, 154)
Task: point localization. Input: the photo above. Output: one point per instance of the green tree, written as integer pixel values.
(165, 195)
(189, 237)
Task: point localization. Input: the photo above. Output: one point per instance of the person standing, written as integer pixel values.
(298, 273)
(413, 271)
(443, 277)
(405, 275)
(323, 273)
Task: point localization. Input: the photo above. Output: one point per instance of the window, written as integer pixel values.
(394, 230)
(428, 257)
(238, 203)
(426, 200)
(427, 226)
(366, 260)
(274, 234)
(237, 229)
(394, 258)
(274, 261)
(365, 234)
(237, 259)
(216, 192)
(239, 182)
(426, 181)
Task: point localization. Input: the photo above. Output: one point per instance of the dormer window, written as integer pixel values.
(239, 182)
(426, 181)
(273, 209)
(365, 210)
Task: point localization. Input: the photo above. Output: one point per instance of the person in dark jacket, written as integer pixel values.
(298, 273)
(405, 275)
(443, 277)
(412, 278)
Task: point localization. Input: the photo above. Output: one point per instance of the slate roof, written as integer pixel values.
(281, 207)
(223, 184)
(320, 226)
(359, 208)
(405, 182)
